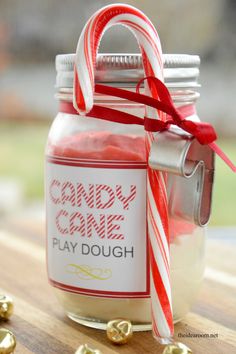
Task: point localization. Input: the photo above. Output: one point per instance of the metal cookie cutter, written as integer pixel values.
(190, 168)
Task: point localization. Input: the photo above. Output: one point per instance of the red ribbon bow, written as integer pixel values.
(203, 132)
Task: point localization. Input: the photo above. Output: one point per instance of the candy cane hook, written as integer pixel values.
(83, 99)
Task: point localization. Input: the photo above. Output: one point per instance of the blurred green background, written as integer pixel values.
(33, 32)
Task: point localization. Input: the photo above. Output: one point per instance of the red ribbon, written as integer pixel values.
(203, 132)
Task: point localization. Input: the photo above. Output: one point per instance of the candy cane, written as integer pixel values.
(157, 213)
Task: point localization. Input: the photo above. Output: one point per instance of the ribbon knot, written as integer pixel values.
(203, 132)
(156, 125)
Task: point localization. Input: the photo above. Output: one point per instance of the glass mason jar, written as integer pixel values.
(97, 250)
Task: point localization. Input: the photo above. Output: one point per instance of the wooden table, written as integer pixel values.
(40, 325)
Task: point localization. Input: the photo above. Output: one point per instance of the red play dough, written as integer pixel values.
(101, 146)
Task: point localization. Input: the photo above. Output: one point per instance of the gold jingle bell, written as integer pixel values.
(177, 348)
(7, 341)
(84, 349)
(6, 307)
(119, 331)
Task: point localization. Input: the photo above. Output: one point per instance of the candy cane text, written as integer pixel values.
(86, 210)
(99, 196)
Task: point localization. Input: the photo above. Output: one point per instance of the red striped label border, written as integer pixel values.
(96, 163)
(100, 293)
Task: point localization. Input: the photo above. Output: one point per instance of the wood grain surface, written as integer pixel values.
(41, 327)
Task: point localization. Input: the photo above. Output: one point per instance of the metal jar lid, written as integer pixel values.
(180, 70)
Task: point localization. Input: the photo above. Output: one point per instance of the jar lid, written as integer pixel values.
(180, 70)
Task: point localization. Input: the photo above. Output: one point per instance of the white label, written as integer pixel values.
(96, 227)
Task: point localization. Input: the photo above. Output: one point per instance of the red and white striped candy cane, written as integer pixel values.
(157, 213)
